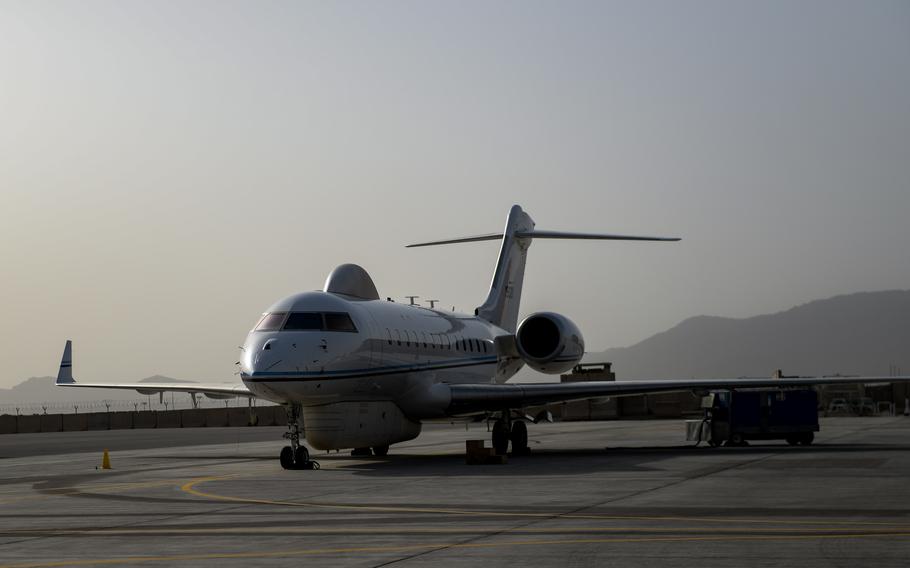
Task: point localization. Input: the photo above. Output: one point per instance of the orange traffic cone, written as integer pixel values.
(105, 461)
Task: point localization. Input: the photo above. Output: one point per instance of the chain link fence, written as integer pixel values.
(145, 403)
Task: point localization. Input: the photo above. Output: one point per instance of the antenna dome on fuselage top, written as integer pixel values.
(351, 280)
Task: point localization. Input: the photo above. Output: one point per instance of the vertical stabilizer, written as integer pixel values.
(501, 306)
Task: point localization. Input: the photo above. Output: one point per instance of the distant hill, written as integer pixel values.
(860, 333)
(42, 390)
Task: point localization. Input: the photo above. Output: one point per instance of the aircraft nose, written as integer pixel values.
(259, 354)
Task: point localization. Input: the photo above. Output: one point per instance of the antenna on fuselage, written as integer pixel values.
(412, 298)
(432, 303)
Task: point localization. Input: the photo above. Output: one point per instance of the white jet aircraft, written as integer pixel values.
(360, 372)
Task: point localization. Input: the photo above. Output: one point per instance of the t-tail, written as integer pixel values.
(501, 306)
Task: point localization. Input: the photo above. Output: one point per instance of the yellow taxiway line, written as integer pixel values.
(88, 489)
(191, 488)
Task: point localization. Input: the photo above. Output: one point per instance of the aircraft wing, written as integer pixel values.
(65, 379)
(471, 398)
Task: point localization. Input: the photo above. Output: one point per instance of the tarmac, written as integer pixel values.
(616, 493)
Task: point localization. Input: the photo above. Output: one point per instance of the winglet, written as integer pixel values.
(65, 374)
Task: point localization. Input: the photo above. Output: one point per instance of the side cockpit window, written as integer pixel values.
(271, 322)
(339, 322)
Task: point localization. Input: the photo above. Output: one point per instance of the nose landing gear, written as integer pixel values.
(295, 456)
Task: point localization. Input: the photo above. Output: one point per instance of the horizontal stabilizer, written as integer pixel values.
(474, 239)
(544, 235)
(592, 236)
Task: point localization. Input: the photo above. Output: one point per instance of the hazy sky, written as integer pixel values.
(169, 169)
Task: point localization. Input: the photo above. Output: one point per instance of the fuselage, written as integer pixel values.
(339, 356)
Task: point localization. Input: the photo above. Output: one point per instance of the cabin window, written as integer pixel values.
(398, 333)
(412, 335)
(339, 321)
(303, 321)
(424, 334)
(388, 333)
(271, 322)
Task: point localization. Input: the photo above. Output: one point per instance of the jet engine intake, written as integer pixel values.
(550, 343)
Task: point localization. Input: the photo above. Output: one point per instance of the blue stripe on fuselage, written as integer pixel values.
(267, 376)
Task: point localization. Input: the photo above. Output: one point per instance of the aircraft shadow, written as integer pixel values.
(568, 462)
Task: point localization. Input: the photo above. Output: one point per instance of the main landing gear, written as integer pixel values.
(506, 430)
(295, 456)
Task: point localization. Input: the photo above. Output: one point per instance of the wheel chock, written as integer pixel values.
(477, 454)
(105, 461)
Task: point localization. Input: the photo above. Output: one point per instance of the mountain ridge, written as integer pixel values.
(862, 333)
(34, 390)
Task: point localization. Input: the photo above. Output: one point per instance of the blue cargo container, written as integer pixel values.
(764, 414)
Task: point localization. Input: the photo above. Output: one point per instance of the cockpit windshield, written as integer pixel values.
(304, 321)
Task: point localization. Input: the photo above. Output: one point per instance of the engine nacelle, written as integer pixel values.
(549, 343)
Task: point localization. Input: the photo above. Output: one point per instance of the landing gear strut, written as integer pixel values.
(295, 456)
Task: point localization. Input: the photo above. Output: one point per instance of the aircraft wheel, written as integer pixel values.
(808, 438)
(519, 437)
(737, 440)
(301, 457)
(381, 451)
(287, 457)
(501, 437)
